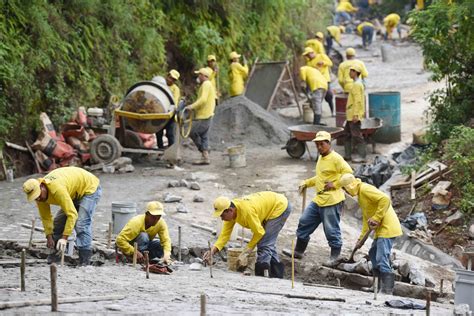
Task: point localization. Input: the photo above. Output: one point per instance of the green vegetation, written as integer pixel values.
(58, 55)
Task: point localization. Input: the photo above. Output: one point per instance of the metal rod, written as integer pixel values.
(292, 263)
(147, 264)
(210, 258)
(179, 243)
(109, 236)
(54, 289)
(135, 249)
(22, 269)
(203, 304)
(376, 283)
(30, 243)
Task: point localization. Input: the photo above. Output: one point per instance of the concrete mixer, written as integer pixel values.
(146, 108)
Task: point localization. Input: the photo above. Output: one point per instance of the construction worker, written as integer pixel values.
(378, 215)
(171, 78)
(390, 22)
(323, 63)
(237, 74)
(316, 85)
(366, 31)
(142, 229)
(212, 65)
(316, 43)
(355, 113)
(265, 214)
(203, 109)
(77, 192)
(327, 204)
(343, 76)
(334, 33)
(343, 12)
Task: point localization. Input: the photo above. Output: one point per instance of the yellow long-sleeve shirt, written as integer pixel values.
(313, 78)
(205, 104)
(335, 32)
(176, 93)
(361, 26)
(391, 20)
(324, 68)
(316, 45)
(213, 79)
(237, 76)
(329, 168)
(345, 6)
(135, 227)
(376, 205)
(252, 212)
(343, 76)
(356, 101)
(65, 186)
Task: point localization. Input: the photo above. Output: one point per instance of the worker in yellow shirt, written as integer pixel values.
(343, 75)
(77, 192)
(355, 113)
(172, 78)
(316, 85)
(390, 22)
(366, 31)
(142, 229)
(212, 65)
(265, 214)
(377, 215)
(237, 74)
(317, 43)
(334, 33)
(203, 109)
(327, 205)
(343, 12)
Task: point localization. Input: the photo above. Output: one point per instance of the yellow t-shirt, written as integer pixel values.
(345, 6)
(237, 76)
(361, 26)
(176, 93)
(205, 104)
(335, 32)
(326, 65)
(213, 79)
(313, 78)
(316, 45)
(343, 76)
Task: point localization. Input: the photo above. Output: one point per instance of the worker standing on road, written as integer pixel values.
(265, 214)
(317, 43)
(171, 79)
(355, 113)
(327, 204)
(343, 12)
(203, 109)
(378, 215)
(237, 74)
(77, 192)
(390, 22)
(142, 229)
(316, 85)
(343, 75)
(366, 31)
(334, 33)
(212, 65)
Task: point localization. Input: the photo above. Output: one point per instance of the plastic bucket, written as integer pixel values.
(308, 114)
(464, 292)
(386, 105)
(237, 156)
(341, 102)
(122, 212)
(233, 255)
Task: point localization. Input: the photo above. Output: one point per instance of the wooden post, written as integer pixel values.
(304, 200)
(54, 289)
(62, 258)
(203, 304)
(292, 263)
(30, 243)
(109, 236)
(376, 287)
(147, 263)
(428, 302)
(441, 287)
(412, 186)
(179, 243)
(135, 249)
(22, 269)
(242, 234)
(210, 259)
(294, 90)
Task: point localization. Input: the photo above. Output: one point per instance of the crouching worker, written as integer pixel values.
(142, 230)
(265, 214)
(378, 215)
(77, 192)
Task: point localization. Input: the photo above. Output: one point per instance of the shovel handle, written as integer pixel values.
(360, 244)
(304, 200)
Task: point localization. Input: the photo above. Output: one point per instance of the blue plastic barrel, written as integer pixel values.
(386, 105)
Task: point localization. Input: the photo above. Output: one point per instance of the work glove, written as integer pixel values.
(243, 259)
(167, 258)
(302, 187)
(61, 245)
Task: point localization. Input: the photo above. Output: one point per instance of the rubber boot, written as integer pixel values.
(347, 150)
(277, 269)
(317, 120)
(361, 152)
(387, 280)
(204, 159)
(85, 257)
(300, 248)
(376, 274)
(334, 258)
(260, 268)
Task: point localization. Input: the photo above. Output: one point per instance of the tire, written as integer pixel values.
(132, 140)
(295, 148)
(105, 148)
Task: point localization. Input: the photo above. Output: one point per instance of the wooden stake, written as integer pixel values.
(22, 270)
(441, 287)
(242, 233)
(179, 243)
(412, 185)
(292, 263)
(210, 258)
(30, 243)
(428, 302)
(376, 283)
(304, 200)
(147, 263)
(203, 304)
(109, 236)
(135, 249)
(54, 289)
(62, 258)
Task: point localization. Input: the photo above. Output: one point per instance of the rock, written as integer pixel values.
(195, 266)
(417, 276)
(437, 221)
(121, 162)
(419, 136)
(461, 309)
(181, 208)
(170, 198)
(429, 281)
(183, 183)
(173, 184)
(198, 199)
(362, 267)
(404, 269)
(455, 219)
(471, 231)
(191, 177)
(108, 169)
(127, 168)
(194, 186)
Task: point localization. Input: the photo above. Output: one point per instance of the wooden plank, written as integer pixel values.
(17, 147)
(276, 88)
(412, 185)
(400, 185)
(65, 300)
(441, 186)
(37, 164)
(300, 108)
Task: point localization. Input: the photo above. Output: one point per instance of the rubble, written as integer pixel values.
(455, 218)
(173, 184)
(195, 266)
(181, 208)
(198, 199)
(183, 183)
(170, 198)
(471, 231)
(194, 186)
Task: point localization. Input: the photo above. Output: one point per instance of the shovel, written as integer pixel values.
(357, 247)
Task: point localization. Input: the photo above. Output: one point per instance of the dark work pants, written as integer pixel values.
(170, 130)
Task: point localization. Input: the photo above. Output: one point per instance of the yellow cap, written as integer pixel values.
(308, 50)
(174, 74)
(220, 205)
(234, 55)
(32, 189)
(350, 51)
(350, 183)
(356, 68)
(322, 135)
(342, 28)
(211, 57)
(204, 71)
(320, 35)
(155, 208)
(346, 179)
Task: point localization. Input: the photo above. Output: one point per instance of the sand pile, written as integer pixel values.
(241, 121)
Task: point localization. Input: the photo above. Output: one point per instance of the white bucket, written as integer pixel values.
(122, 212)
(236, 156)
(308, 114)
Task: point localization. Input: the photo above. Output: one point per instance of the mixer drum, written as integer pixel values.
(148, 97)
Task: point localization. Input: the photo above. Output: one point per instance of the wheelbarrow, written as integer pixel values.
(368, 128)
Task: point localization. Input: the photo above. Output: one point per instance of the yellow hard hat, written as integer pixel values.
(155, 208)
(234, 55)
(342, 28)
(356, 68)
(320, 35)
(350, 51)
(32, 189)
(204, 71)
(211, 57)
(322, 135)
(174, 74)
(308, 50)
(220, 205)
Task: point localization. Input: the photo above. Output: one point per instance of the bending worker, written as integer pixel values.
(77, 192)
(316, 43)
(378, 215)
(366, 31)
(171, 79)
(265, 214)
(343, 75)
(343, 12)
(317, 86)
(237, 74)
(390, 22)
(142, 229)
(327, 204)
(334, 33)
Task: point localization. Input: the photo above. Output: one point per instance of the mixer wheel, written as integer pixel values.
(105, 148)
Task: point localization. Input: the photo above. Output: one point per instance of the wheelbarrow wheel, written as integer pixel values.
(295, 148)
(105, 148)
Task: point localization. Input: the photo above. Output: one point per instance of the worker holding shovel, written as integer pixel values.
(378, 215)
